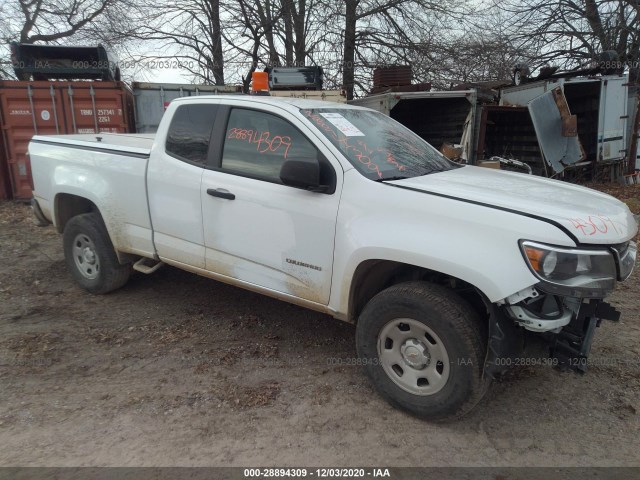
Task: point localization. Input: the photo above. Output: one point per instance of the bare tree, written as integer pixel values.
(47, 21)
(386, 31)
(302, 33)
(5, 36)
(224, 39)
(185, 34)
(272, 33)
(478, 57)
(268, 16)
(481, 49)
(214, 36)
(250, 36)
(573, 33)
(52, 21)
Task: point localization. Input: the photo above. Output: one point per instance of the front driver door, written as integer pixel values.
(258, 230)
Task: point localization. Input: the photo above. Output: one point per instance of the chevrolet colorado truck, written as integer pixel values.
(444, 269)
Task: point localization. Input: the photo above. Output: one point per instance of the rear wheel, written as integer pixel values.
(423, 349)
(90, 255)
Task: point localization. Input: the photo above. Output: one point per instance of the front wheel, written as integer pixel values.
(90, 255)
(423, 349)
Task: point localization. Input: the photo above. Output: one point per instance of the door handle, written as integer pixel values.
(218, 192)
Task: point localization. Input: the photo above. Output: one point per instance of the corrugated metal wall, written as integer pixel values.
(52, 108)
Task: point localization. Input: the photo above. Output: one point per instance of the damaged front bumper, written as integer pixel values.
(563, 309)
(571, 346)
(567, 331)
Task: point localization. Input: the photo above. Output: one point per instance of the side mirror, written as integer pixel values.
(301, 174)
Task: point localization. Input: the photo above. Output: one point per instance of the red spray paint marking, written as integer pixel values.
(264, 141)
(594, 224)
(361, 150)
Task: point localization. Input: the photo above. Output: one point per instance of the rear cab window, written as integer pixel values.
(189, 133)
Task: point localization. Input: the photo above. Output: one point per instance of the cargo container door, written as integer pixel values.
(555, 130)
(97, 107)
(26, 108)
(613, 121)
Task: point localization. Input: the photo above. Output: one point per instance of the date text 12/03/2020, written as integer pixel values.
(317, 472)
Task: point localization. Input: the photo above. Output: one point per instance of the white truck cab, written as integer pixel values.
(443, 268)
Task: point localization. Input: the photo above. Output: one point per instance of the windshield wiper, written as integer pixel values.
(387, 179)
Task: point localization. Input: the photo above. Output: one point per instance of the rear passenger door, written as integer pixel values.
(258, 230)
(174, 179)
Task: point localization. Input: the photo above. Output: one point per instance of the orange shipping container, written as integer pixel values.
(4, 178)
(51, 108)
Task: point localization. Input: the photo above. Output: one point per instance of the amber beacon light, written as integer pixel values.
(260, 82)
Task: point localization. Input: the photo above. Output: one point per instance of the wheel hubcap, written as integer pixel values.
(413, 356)
(85, 257)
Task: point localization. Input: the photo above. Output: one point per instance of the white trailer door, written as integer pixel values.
(613, 122)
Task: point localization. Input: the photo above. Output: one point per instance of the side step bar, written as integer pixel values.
(147, 265)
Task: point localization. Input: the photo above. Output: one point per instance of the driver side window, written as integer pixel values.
(257, 144)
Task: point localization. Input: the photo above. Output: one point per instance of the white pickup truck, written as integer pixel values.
(443, 268)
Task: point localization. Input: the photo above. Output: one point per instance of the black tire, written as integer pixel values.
(520, 74)
(452, 326)
(97, 270)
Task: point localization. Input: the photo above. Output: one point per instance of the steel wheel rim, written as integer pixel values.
(413, 356)
(85, 257)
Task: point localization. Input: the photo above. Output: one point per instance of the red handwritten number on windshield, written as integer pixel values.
(345, 144)
(361, 151)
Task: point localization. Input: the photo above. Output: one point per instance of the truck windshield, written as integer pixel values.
(378, 147)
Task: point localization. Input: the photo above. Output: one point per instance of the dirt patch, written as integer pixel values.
(175, 369)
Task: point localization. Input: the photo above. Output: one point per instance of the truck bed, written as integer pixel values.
(137, 143)
(107, 169)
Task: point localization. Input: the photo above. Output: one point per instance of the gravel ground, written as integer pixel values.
(179, 370)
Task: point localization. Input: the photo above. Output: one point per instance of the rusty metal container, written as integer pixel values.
(51, 108)
(4, 179)
(392, 76)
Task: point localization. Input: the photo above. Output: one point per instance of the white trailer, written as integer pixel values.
(439, 117)
(600, 103)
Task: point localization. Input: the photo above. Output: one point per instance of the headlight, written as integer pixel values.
(626, 259)
(571, 271)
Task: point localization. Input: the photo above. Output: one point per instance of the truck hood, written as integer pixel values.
(588, 216)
